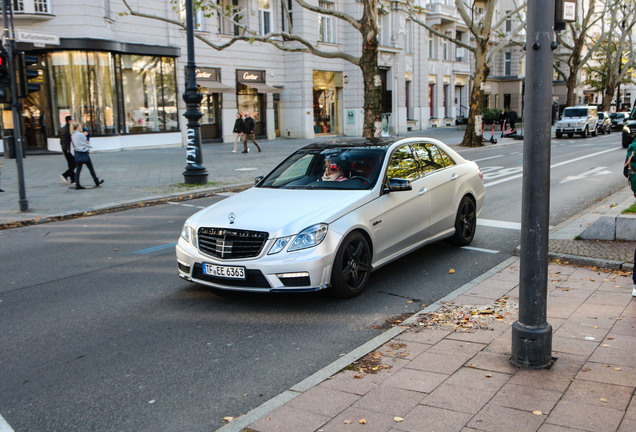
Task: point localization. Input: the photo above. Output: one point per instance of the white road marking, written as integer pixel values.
(593, 172)
(490, 251)
(487, 158)
(4, 426)
(514, 177)
(186, 205)
(499, 224)
(245, 169)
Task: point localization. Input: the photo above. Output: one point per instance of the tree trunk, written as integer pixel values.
(473, 137)
(371, 74)
(570, 100)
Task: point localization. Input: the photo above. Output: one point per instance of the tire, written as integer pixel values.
(585, 132)
(595, 132)
(352, 267)
(558, 135)
(465, 223)
(609, 130)
(626, 142)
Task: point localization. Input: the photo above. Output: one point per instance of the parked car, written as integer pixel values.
(629, 129)
(581, 120)
(618, 118)
(296, 231)
(604, 122)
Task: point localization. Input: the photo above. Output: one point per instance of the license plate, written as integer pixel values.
(569, 129)
(228, 272)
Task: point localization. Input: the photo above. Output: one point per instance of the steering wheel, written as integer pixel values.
(364, 179)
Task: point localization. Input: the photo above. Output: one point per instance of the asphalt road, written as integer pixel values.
(98, 332)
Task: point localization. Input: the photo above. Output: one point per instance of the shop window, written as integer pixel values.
(150, 99)
(327, 24)
(83, 86)
(325, 100)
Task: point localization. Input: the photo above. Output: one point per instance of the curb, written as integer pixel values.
(255, 414)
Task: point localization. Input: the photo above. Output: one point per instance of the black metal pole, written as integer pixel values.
(531, 333)
(195, 172)
(16, 105)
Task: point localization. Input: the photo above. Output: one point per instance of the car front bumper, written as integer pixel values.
(300, 271)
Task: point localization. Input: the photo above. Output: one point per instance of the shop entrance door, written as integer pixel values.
(211, 120)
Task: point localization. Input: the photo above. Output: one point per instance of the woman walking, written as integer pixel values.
(239, 129)
(82, 157)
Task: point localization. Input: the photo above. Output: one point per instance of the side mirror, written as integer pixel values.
(398, 185)
(258, 179)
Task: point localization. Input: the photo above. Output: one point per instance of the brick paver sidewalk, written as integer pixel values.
(449, 370)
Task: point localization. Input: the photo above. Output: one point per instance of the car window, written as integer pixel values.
(403, 164)
(330, 168)
(575, 112)
(429, 157)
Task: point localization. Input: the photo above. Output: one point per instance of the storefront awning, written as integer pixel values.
(264, 88)
(216, 86)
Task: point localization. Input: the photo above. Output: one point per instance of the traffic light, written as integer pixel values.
(27, 75)
(5, 78)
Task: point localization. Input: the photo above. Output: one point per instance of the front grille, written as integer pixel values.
(230, 243)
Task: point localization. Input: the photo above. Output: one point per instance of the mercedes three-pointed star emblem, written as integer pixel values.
(231, 217)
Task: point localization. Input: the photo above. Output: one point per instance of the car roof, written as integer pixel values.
(352, 143)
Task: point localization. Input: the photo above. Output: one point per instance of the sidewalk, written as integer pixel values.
(448, 367)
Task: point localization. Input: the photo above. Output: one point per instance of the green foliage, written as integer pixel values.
(490, 115)
(630, 209)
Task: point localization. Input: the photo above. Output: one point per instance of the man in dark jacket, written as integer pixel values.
(250, 125)
(67, 176)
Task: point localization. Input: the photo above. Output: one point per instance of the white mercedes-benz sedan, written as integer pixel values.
(330, 214)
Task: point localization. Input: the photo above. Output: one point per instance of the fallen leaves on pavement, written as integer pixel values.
(467, 318)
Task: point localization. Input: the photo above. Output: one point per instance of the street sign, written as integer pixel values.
(36, 37)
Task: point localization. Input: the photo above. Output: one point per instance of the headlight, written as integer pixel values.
(310, 237)
(279, 245)
(185, 232)
(189, 234)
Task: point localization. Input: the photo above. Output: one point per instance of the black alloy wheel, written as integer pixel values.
(465, 222)
(352, 267)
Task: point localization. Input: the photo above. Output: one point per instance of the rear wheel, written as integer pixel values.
(585, 132)
(352, 267)
(558, 135)
(465, 222)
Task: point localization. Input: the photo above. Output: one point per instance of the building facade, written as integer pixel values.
(123, 76)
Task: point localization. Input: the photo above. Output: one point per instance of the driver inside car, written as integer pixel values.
(333, 172)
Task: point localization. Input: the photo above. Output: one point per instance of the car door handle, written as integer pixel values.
(454, 177)
(422, 191)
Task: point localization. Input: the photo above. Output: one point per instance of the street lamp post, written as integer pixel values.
(195, 172)
(531, 333)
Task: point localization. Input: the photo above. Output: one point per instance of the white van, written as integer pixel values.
(580, 120)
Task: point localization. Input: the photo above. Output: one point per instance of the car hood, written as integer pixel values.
(280, 212)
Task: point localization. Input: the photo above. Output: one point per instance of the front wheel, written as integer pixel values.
(352, 267)
(465, 223)
(585, 132)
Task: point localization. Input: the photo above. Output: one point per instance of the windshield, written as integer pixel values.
(332, 168)
(575, 112)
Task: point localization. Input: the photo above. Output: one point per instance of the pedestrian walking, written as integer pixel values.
(629, 171)
(239, 130)
(67, 176)
(81, 147)
(250, 125)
